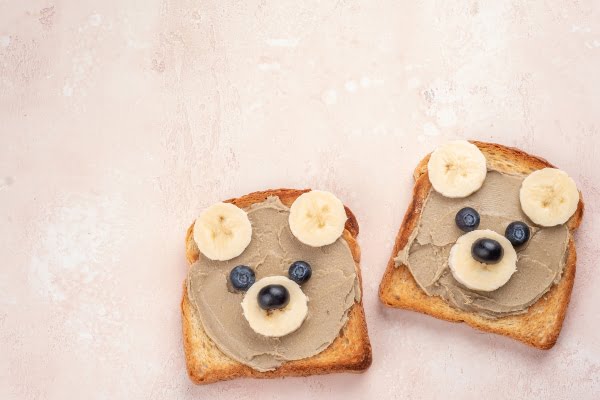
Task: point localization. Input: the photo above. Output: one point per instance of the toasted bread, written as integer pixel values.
(349, 352)
(541, 324)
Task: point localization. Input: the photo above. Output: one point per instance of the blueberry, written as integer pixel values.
(517, 233)
(272, 297)
(487, 251)
(242, 277)
(300, 272)
(467, 219)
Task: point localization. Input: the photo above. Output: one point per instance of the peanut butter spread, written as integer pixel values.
(540, 261)
(331, 291)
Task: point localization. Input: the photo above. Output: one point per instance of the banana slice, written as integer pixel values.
(457, 169)
(476, 275)
(549, 197)
(275, 323)
(317, 218)
(222, 231)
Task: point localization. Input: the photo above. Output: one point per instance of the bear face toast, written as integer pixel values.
(258, 301)
(487, 240)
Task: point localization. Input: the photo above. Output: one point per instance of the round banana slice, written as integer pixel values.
(457, 169)
(476, 275)
(222, 231)
(275, 323)
(317, 218)
(549, 197)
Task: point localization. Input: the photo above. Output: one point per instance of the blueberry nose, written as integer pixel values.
(273, 297)
(487, 251)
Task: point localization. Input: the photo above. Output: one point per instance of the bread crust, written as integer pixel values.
(541, 324)
(349, 352)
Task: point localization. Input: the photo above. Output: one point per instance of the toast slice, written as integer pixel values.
(541, 324)
(349, 352)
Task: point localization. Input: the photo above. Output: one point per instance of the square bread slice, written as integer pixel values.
(541, 324)
(349, 352)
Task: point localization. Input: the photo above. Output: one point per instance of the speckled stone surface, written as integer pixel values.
(120, 120)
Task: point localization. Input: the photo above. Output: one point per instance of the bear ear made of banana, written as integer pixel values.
(548, 197)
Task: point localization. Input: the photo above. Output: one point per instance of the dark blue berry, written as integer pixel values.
(517, 233)
(487, 251)
(467, 219)
(300, 272)
(241, 277)
(272, 297)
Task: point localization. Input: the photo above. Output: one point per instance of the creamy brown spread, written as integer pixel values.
(540, 261)
(331, 291)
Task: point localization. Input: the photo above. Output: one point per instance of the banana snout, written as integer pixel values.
(482, 260)
(275, 306)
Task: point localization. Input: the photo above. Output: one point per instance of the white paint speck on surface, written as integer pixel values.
(582, 29)
(67, 91)
(137, 44)
(282, 42)
(273, 66)
(413, 83)
(254, 106)
(95, 19)
(4, 41)
(592, 44)
(430, 129)
(351, 86)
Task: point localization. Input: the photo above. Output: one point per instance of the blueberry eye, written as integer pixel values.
(300, 272)
(242, 277)
(467, 219)
(517, 233)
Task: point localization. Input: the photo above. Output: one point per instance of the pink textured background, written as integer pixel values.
(120, 120)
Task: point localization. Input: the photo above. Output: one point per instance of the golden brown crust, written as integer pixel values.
(349, 352)
(541, 324)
